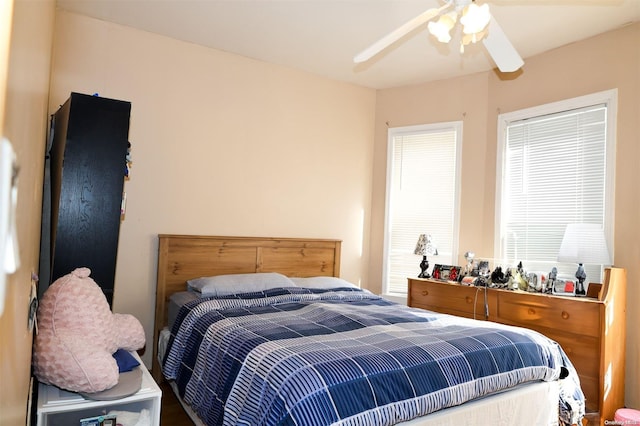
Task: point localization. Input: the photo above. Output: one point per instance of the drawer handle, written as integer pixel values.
(531, 311)
(425, 293)
(565, 315)
(468, 299)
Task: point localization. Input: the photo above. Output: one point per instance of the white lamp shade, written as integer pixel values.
(584, 243)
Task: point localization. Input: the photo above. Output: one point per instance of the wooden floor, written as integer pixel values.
(172, 413)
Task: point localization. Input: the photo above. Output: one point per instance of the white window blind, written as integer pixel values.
(422, 198)
(555, 170)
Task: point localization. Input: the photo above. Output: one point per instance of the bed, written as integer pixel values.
(295, 353)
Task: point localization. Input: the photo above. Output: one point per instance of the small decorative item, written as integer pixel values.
(468, 280)
(565, 286)
(469, 266)
(581, 275)
(425, 246)
(499, 278)
(483, 268)
(553, 276)
(446, 272)
(514, 283)
(127, 161)
(518, 281)
(536, 282)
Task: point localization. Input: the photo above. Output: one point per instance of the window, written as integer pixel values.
(555, 167)
(423, 172)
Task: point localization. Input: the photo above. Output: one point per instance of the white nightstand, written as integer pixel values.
(57, 407)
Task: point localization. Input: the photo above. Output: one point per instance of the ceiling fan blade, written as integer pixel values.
(397, 34)
(500, 48)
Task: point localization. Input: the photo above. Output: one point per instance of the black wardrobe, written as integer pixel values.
(85, 168)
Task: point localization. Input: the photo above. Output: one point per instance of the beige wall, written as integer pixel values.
(448, 100)
(611, 60)
(221, 145)
(25, 125)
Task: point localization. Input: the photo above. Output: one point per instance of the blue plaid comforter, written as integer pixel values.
(347, 357)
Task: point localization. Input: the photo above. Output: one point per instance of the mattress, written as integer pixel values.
(176, 301)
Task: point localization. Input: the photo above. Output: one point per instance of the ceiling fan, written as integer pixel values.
(478, 24)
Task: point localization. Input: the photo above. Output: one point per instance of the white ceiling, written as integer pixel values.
(322, 36)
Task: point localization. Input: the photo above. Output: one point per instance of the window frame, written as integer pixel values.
(456, 126)
(607, 97)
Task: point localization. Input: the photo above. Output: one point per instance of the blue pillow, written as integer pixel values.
(125, 361)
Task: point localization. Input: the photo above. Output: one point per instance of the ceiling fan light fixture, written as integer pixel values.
(473, 38)
(441, 29)
(475, 18)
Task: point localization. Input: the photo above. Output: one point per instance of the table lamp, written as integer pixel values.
(584, 243)
(425, 246)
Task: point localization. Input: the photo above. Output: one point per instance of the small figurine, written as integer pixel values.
(508, 279)
(483, 268)
(469, 266)
(551, 282)
(512, 284)
(518, 282)
(481, 281)
(581, 275)
(498, 278)
(533, 282)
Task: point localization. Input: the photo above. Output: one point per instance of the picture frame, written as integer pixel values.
(446, 272)
(564, 286)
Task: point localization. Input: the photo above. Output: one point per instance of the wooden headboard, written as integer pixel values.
(182, 257)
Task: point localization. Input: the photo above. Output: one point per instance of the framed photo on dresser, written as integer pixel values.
(446, 272)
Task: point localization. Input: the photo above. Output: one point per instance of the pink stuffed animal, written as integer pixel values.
(78, 334)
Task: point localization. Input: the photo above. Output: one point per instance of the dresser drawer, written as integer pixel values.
(450, 298)
(532, 311)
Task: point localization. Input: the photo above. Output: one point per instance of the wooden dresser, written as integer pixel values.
(591, 331)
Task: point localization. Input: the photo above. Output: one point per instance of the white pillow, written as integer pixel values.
(223, 285)
(322, 282)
